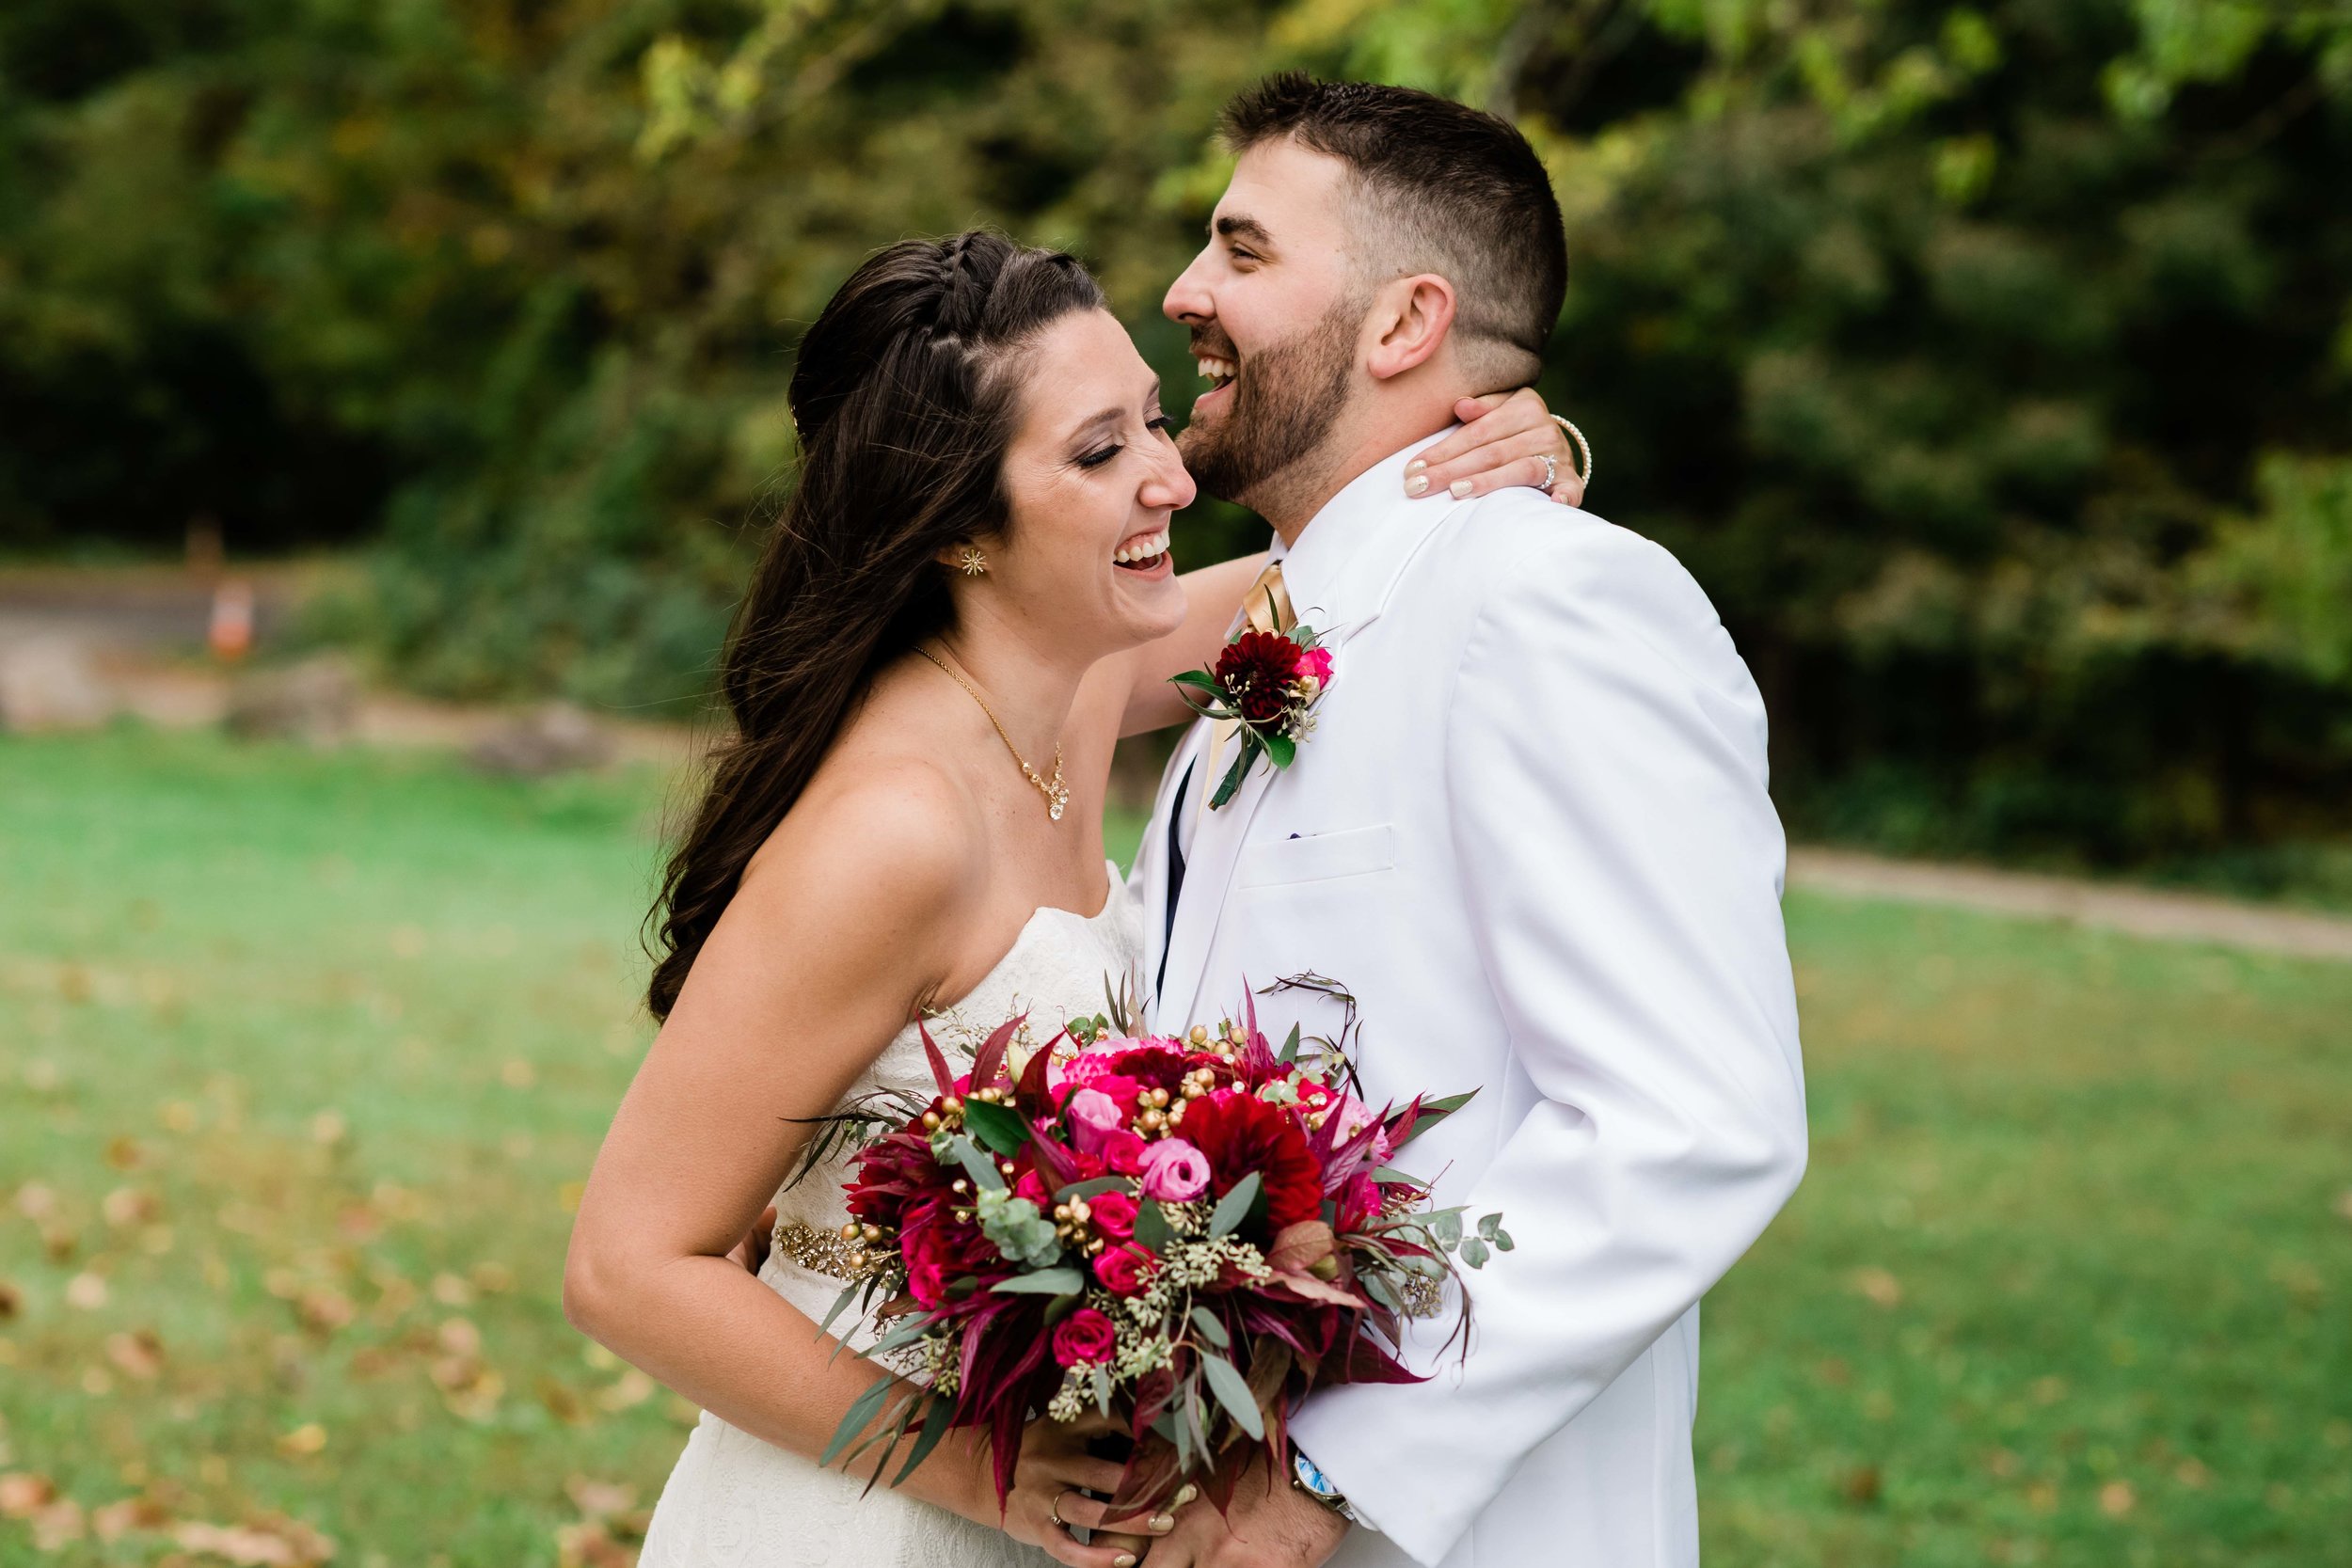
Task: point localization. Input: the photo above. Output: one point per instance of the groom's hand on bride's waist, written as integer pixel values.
(1270, 1523)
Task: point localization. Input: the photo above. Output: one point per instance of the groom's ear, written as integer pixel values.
(1410, 322)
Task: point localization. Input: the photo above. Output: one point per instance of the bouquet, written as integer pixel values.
(1184, 1235)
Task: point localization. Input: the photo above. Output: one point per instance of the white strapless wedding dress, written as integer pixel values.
(735, 1502)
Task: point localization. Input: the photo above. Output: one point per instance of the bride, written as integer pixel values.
(967, 601)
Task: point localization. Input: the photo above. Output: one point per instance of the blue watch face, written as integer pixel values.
(1313, 1480)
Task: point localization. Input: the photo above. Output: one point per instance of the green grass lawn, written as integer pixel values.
(302, 1056)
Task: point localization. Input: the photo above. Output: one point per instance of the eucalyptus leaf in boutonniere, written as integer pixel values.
(1266, 683)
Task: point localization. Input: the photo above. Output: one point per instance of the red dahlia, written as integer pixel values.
(1240, 1132)
(1256, 671)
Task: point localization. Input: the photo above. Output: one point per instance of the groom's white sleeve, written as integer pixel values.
(1606, 789)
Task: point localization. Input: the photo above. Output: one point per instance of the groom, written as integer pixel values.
(1529, 833)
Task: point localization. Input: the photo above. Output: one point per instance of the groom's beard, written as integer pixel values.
(1284, 404)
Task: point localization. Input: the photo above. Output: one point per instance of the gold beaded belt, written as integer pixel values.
(825, 1252)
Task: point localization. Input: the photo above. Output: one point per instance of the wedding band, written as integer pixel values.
(1583, 448)
(1052, 1509)
(1552, 471)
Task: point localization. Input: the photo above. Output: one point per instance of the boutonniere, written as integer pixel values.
(1267, 682)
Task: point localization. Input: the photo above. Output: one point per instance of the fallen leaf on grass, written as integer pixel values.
(138, 1355)
(597, 1499)
(2192, 1474)
(21, 1492)
(1878, 1285)
(2115, 1498)
(36, 1201)
(119, 1519)
(11, 1300)
(124, 1153)
(322, 1312)
(269, 1542)
(634, 1389)
(303, 1441)
(57, 1525)
(589, 1544)
(562, 1403)
(128, 1206)
(87, 1291)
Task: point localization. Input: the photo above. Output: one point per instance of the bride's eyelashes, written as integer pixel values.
(1097, 458)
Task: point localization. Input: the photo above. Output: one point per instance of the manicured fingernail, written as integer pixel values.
(1416, 464)
(1185, 1494)
(1415, 485)
(1124, 1560)
(1460, 487)
(1163, 1522)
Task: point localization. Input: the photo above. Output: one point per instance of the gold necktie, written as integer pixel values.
(1265, 607)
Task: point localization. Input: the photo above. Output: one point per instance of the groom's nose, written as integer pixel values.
(1188, 298)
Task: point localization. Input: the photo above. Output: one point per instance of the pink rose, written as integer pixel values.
(1316, 662)
(1032, 1186)
(1092, 1117)
(1122, 1268)
(1174, 1171)
(1113, 1214)
(1085, 1335)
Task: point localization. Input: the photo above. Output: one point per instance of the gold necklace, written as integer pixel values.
(1057, 793)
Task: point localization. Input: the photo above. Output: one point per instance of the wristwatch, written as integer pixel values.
(1308, 1479)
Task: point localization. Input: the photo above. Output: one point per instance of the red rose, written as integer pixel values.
(1113, 1213)
(1083, 1336)
(1256, 671)
(1123, 1269)
(1240, 1134)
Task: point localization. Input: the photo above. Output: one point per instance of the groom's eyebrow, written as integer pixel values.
(1241, 226)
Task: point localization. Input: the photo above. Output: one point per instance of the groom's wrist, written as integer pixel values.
(1307, 1477)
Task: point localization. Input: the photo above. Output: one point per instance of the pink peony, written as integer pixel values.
(1174, 1171)
(1085, 1335)
(1123, 1269)
(1113, 1214)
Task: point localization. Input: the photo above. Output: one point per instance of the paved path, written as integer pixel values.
(2141, 912)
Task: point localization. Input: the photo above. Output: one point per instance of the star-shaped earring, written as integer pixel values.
(972, 562)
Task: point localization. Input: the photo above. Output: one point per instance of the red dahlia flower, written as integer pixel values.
(1256, 671)
(1240, 1134)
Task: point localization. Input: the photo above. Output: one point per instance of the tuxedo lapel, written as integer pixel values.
(1217, 846)
(1340, 576)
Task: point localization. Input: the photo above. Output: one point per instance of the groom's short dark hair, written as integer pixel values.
(1448, 190)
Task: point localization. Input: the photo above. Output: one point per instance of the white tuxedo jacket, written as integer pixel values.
(1530, 835)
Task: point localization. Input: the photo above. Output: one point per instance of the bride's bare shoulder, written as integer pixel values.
(878, 825)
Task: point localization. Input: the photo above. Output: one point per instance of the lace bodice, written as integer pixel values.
(735, 1502)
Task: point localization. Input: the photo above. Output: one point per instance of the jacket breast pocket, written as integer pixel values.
(1317, 857)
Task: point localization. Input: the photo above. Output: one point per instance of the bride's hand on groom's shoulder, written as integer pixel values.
(1502, 443)
(1269, 1524)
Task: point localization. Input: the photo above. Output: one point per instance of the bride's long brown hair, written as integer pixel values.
(905, 398)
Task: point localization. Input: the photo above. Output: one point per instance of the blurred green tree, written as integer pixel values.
(1989, 364)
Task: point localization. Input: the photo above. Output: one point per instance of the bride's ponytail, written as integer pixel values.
(903, 398)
